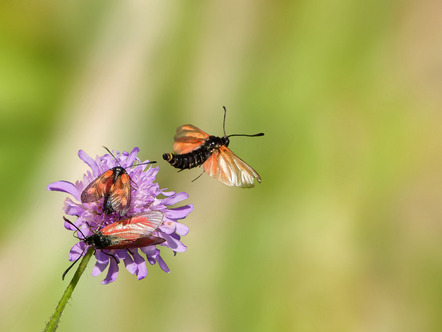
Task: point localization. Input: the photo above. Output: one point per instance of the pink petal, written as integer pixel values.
(141, 263)
(112, 273)
(162, 264)
(66, 187)
(131, 158)
(179, 213)
(175, 198)
(88, 160)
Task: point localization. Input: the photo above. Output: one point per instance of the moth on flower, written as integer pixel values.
(114, 185)
(133, 232)
(145, 196)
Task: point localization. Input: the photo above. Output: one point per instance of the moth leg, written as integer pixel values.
(116, 260)
(198, 177)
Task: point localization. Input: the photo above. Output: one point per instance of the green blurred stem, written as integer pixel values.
(55, 319)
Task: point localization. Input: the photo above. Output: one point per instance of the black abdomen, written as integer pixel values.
(198, 156)
(187, 160)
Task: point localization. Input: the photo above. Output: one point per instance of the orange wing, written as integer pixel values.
(135, 232)
(188, 138)
(119, 194)
(231, 170)
(98, 188)
(143, 224)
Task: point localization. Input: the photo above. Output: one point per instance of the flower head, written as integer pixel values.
(144, 197)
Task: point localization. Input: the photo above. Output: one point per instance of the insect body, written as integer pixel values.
(193, 147)
(115, 186)
(132, 232)
(198, 156)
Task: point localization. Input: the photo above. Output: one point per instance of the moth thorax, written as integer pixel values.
(98, 241)
(225, 141)
(118, 171)
(214, 142)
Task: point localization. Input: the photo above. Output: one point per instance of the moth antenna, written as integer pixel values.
(72, 265)
(112, 156)
(255, 135)
(224, 128)
(146, 163)
(78, 229)
(224, 121)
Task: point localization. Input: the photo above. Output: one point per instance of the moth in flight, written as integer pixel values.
(193, 147)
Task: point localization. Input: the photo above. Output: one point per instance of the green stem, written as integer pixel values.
(55, 319)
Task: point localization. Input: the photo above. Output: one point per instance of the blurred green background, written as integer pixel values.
(343, 234)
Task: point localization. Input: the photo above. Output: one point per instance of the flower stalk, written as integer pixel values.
(55, 318)
(127, 217)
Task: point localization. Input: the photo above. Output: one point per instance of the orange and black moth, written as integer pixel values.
(193, 147)
(198, 156)
(114, 185)
(132, 232)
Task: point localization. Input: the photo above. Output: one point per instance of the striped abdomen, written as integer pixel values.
(188, 160)
(198, 156)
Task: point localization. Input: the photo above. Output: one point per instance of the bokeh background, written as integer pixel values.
(343, 234)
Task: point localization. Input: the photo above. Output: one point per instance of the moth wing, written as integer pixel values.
(119, 194)
(135, 231)
(229, 169)
(135, 227)
(146, 241)
(98, 187)
(188, 138)
(137, 242)
(148, 222)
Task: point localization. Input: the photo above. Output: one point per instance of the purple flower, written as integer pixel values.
(144, 197)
